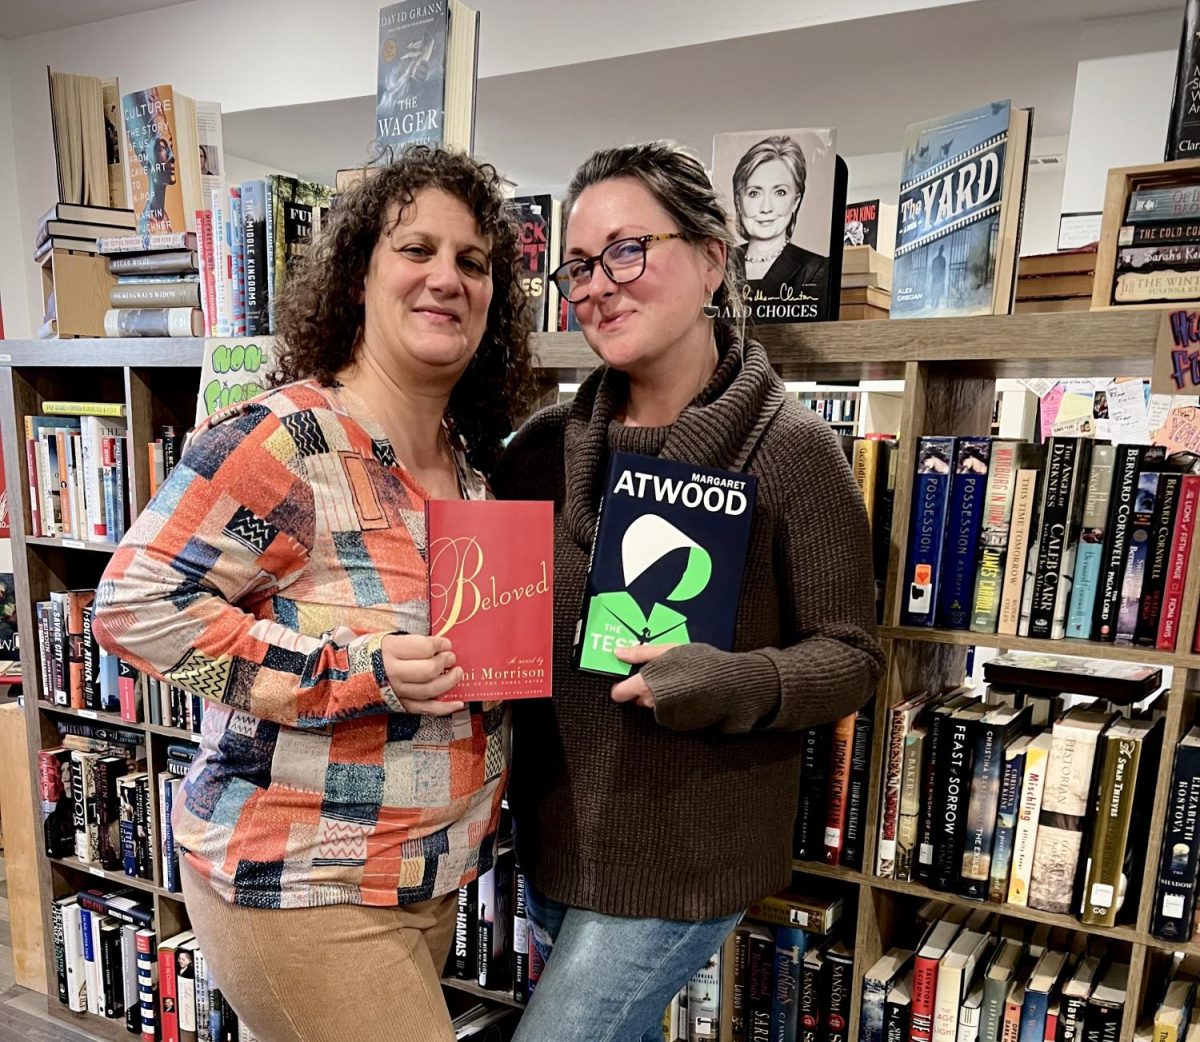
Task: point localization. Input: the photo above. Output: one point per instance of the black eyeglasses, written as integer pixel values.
(622, 261)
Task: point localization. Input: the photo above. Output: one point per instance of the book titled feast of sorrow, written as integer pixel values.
(667, 559)
(491, 592)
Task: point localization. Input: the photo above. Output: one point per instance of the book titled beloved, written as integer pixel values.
(667, 560)
(491, 592)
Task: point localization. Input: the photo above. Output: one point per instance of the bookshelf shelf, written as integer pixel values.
(70, 544)
(948, 369)
(95, 715)
(118, 878)
(1067, 646)
(469, 988)
(101, 1027)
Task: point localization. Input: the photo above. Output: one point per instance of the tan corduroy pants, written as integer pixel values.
(327, 974)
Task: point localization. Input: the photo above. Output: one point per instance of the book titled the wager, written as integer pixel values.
(491, 593)
(667, 560)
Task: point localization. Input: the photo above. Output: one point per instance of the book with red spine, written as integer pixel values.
(35, 495)
(207, 265)
(491, 593)
(925, 975)
(838, 787)
(168, 992)
(127, 692)
(1180, 553)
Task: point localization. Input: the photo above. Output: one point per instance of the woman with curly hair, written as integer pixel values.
(336, 806)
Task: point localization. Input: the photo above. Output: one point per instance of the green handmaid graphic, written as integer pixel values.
(617, 619)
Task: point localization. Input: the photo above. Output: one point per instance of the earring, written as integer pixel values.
(710, 309)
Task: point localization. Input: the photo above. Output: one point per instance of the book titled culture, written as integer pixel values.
(958, 229)
(156, 193)
(667, 560)
(785, 193)
(491, 592)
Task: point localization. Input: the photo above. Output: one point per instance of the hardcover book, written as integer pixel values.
(153, 142)
(294, 214)
(1006, 459)
(1062, 512)
(1091, 542)
(1119, 682)
(785, 193)
(425, 87)
(962, 189)
(491, 593)
(1175, 897)
(539, 217)
(667, 560)
(963, 521)
(931, 495)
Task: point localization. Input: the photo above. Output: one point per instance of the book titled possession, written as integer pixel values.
(491, 592)
(667, 560)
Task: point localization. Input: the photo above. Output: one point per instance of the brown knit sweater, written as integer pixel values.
(686, 812)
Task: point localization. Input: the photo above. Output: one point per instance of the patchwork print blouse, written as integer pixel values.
(285, 545)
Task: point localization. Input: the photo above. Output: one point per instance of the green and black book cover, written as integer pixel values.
(667, 559)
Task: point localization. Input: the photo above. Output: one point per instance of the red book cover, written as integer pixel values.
(167, 997)
(924, 990)
(839, 787)
(491, 592)
(1181, 548)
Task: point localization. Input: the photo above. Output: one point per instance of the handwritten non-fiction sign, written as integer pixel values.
(232, 371)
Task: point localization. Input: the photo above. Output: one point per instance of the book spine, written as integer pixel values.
(163, 295)
(981, 811)
(1024, 517)
(127, 798)
(1156, 204)
(182, 262)
(932, 773)
(1116, 539)
(760, 989)
(1102, 1023)
(856, 799)
(466, 930)
(167, 994)
(77, 991)
(203, 999)
(520, 960)
(964, 517)
(909, 820)
(947, 997)
(1006, 823)
(1106, 862)
(108, 812)
(185, 992)
(1025, 841)
(889, 816)
(810, 819)
(1156, 258)
(930, 499)
(152, 321)
(992, 1010)
(208, 289)
(91, 963)
(839, 968)
(993, 537)
(1177, 570)
(1033, 1016)
(220, 257)
(87, 836)
(924, 993)
(1162, 526)
(170, 864)
(129, 976)
(737, 1013)
(254, 236)
(75, 602)
(237, 246)
(897, 1021)
(790, 943)
(1137, 555)
(1070, 1020)
(111, 965)
(838, 788)
(147, 983)
(1053, 534)
(60, 952)
(950, 829)
(1175, 898)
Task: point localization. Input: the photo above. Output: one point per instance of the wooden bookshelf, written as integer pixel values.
(949, 368)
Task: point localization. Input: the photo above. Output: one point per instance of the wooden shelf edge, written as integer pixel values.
(101, 1027)
(919, 890)
(57, 542)
(1069, 646)
(98, 716)
(116, 878)
(504, 998)
(171, 732)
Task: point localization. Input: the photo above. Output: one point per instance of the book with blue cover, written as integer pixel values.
(963, 521)
(962, 192)
(667, 560)
(931, 495)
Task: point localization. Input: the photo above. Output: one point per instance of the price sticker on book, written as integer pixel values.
(90, 714)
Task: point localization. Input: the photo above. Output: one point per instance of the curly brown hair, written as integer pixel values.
(319, 315)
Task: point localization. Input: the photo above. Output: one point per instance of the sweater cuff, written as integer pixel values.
(366, 656)
(697, 686)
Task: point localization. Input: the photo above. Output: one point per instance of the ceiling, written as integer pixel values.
(27, 17)
(868, 78)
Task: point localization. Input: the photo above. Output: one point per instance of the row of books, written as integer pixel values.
(77, 474)
(111, 963)
(1071, 538)
(1158, 248)
(75, 670)
(493, 944)
(1003, 799)
(873, 462)
(843, 409)
(772, 979)
(968, 979)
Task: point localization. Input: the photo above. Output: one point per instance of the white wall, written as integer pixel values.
(1122, 102)
(13, 259)
(239, 168)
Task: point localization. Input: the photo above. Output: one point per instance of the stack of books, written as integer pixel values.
(1069, 538)
(76, 227)
(158, 285)
(1056, 281)
(866, 284)
(1158, 254)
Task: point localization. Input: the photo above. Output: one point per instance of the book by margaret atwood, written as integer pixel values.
(491, 592)
(667, 559)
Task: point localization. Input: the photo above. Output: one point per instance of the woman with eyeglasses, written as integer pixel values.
(650, 812)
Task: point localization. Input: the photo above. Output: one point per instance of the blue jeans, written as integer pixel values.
(609, 978)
